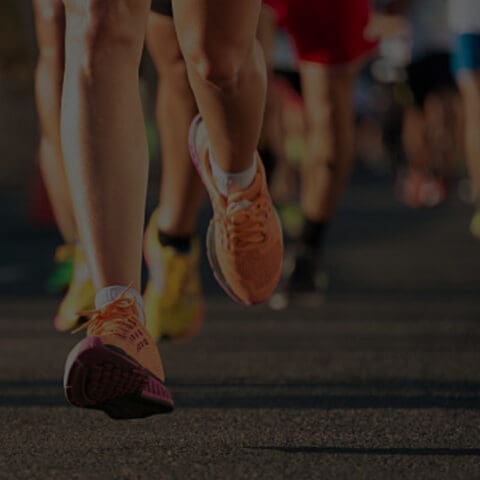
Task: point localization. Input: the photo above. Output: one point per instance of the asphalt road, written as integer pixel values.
(382, 381)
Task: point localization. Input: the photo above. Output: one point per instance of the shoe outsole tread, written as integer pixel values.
(104, 378)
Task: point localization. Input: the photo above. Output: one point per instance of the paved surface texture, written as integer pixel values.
(380, 382)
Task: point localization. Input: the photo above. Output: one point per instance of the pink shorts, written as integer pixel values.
(330, 32)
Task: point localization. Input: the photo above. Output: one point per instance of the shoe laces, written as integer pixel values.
(115, 318)
(245, 223)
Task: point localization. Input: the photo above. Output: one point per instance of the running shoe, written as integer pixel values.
(80, 295)
(244, 240)
(60, 278)
(304, 282)
(117, 368)
(475, 225)
(173, 297)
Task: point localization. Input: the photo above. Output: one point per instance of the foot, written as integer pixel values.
(475, 225)
(173, 298)
(80, 295)
(419, 189)
(304, 282)
(117, 368)
(244, 242)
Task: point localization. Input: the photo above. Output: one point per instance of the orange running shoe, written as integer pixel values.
(244, 240)
(117, 368)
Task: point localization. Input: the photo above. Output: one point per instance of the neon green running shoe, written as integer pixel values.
(60, 278)
(475, 225)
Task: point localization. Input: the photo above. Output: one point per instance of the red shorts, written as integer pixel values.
(330, 32)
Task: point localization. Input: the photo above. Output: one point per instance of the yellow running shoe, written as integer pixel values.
(173, 299)
(117, 368)
(475, 225)
(244, 241)
(80, 295)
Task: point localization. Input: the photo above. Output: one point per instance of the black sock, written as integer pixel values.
(181, 243)
(269, 161)
(313, 234)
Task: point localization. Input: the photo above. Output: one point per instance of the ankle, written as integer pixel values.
(313, 234)
(227, 182)
(108, 294)
(181, 243)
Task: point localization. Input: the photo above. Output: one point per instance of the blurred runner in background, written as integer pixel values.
(331, 46)
(464, 16)
(431, 118)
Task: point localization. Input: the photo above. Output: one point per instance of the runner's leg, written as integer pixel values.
(117, 367)
(181, 190)
(171, 248)
(103, 134)
(328, 94)
(50, 30)
(227, 73)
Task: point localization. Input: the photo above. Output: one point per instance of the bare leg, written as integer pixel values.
(227, 73)
(181, 190)
(267, 30)
(50, 28)
(103, 133)
(470, 88)
(415, 140)
(328, 96)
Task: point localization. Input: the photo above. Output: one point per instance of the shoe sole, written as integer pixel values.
(102, 377)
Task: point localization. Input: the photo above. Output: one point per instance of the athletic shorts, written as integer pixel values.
(330, 32)
(466, 53)
(163, 7)
(430, 74)
(279, 8)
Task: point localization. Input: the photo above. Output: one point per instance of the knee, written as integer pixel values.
(48, 14)
(49, 19)
(220, 66)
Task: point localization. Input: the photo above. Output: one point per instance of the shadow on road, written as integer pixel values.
(441, 452)
(374, 394)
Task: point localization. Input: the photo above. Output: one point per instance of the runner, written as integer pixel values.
(331, 46)
(465, 23)
(429, 120)
(50, 29)
(117, 368)
(173, 299)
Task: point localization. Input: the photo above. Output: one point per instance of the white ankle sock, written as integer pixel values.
(108, 294)
(232, 182)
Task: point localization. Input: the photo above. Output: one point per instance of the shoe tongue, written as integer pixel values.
(248, 194)
(109, 294)
(236, 207)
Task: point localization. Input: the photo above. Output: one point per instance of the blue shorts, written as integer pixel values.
(466, 53)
